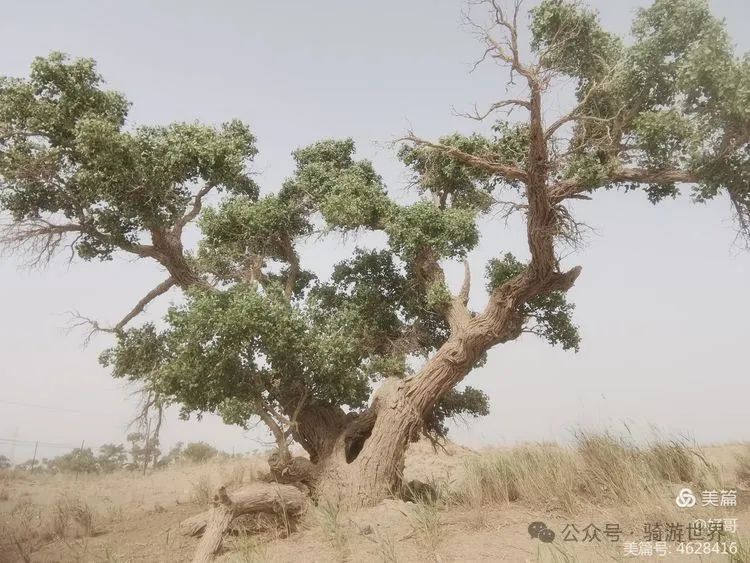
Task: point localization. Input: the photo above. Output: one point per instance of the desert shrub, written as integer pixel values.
(174, 454)
(201, 490)
(5, 462)
(77, 461)
(25, 530)
(199, 451)
(491, 479)
(112, 457)
(70, 512)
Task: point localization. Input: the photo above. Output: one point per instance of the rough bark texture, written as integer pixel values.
(367, 462)
(258, 497)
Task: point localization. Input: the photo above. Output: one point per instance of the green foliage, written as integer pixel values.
(64, 151)
(385, 306)
(242, 227)
(571, 40)
(468, 402)
(77, 461)
(550, 312)
(589, 169)
(143, 451)
(435, 172)
(174, 454)
(671, 104)
(449, 233)
(438, 296)
(198, 452)
(676, 98)
(111, 457)
(459, 185)
(348, 193)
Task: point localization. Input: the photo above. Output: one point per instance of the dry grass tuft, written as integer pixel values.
(601, 469)
(201, 490)
(70, 513)
(331, 517)
(426, 521)
(544, 475)
(249, 549)
(26, 529)
(743, 467)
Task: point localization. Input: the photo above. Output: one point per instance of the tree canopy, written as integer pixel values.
(258, 335)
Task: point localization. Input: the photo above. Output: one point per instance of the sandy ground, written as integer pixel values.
(136, 518)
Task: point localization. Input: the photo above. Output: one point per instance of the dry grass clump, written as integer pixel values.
(29, 526)
(743, 467)
(248, 549)
(545, 474)
(71, 514)
(201, 490)
(600, 469)
(25, 530)
(426, 520)
(331, 516)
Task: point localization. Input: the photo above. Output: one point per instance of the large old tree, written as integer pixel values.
(258, 335)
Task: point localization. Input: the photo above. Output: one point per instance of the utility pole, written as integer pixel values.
(33, 460)
(80, 454)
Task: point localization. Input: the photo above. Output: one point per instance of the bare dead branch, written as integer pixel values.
(494, 107)
(38, 239)
(93, 327)
(504, 47)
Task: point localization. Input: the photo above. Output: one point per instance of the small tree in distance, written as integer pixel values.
(355, 366)
(198, 452)
(112, 457)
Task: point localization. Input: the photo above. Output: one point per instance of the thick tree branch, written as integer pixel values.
(507, 172)
(293, 259)
(466, 286)
(429, 273)
(568, 189)
(194, 210)
(160, 289)
(575, 113)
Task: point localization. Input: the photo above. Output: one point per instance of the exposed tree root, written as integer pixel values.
(257, 497)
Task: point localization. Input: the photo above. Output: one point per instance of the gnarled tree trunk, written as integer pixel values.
(367, 460)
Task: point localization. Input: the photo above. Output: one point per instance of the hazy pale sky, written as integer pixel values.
(662, 301)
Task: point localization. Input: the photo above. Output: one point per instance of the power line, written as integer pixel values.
(14, 442)
(48, 407)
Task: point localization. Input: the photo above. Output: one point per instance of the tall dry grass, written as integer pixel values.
(743, 467)
(599, 469)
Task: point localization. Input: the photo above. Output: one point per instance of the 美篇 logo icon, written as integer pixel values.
(685, 498)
